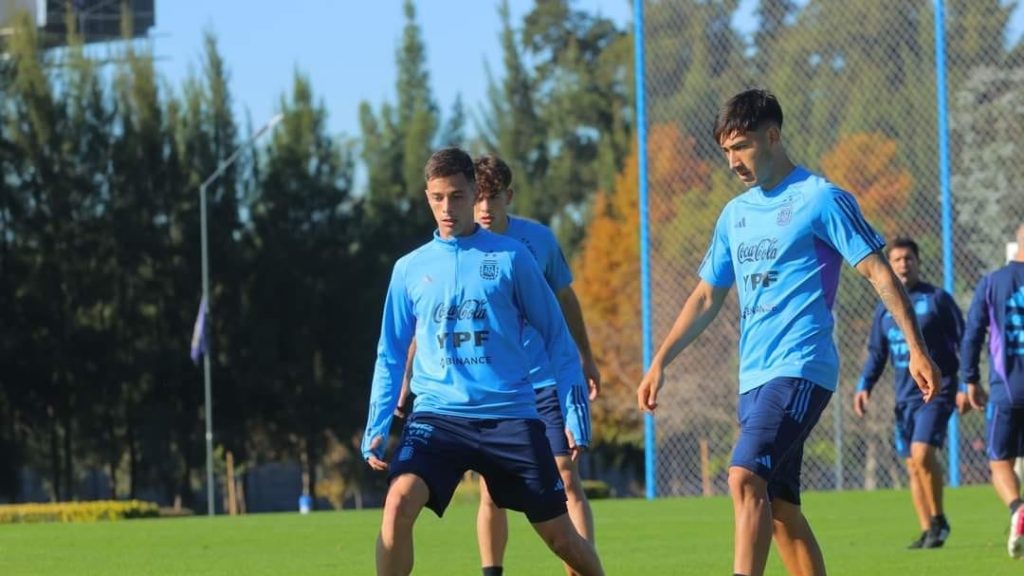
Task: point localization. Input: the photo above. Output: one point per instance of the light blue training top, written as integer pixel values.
(541, 242)
(465, 300)
(784, 248)
(539, 239)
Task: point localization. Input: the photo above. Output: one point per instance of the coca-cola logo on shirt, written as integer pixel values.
(763, 250)
(471, 309)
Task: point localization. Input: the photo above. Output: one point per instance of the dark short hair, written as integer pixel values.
(747, 111)
(905, 242)
(449, 162)
(492, 174)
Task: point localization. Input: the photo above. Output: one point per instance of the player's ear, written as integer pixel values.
(774, 133)
(510, 193)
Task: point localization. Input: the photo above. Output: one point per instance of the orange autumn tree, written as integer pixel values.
(607, 271)
(607, 281)
(866, 165)
(673, 170)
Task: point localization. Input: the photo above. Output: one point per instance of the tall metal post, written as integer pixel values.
(207, 378)
(207, 385)
(650, 456)
(942, 112)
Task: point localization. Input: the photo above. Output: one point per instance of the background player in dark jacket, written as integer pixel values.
(998, 311)
(920, 426)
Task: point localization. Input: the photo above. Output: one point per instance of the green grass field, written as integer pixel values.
(861, 533)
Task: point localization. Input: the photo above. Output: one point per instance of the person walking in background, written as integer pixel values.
(782, 242)
(920, 426)
(997, 311)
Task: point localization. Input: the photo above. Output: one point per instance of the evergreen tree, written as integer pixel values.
(580, 100)
(44, 233)
(301, 222)
(454, 132)
(11, 398)
(398, 140)
(511, 125)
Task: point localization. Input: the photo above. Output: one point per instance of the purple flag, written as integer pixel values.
(199, 333)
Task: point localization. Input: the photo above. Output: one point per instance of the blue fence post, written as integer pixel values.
(650, 461)
(942, 112)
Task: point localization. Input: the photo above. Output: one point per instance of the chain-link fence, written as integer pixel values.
(857, 82)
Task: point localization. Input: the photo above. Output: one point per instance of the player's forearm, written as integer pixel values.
(383, 399)
(573, 314)
(869, 378)
(970, 357)
(878, 356)
(407, 376)
(577, 415)
(699, 310)
(973, 339)
(566, 364)
(894, 297)
(898, 304)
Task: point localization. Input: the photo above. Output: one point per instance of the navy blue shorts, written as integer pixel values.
(512, 454)
(551, 415)
(1005, 431)
(775, 420)
(921, 422)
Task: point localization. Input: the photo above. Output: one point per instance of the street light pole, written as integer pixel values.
(207, 380)
(207, 387)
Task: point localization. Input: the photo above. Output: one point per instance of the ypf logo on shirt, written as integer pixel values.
(489, 269)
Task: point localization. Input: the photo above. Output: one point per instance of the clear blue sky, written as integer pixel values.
(346, 47)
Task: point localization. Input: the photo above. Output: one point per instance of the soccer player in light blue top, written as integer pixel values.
(782, 242)
(463, 296)
(494, 194)
(920, 427)
(998, 311)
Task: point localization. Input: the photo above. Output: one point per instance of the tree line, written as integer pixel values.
(100, 163)
(99, 221)
(857, 82)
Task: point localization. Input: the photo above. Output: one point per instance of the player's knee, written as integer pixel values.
(744, 484)
(560, 542)
(785, 514)
(486, 502)
(573, 483)
(921, 458)
(1000, 467)
(488, 508)
(401, 508)
(913, 466)
(780, 525)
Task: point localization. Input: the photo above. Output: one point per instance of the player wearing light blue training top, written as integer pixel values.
(494, 194)
(997, 310)
(541, 242)
(464, 297)
(782, 243)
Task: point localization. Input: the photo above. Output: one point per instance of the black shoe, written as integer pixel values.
(919, 543)
(936, 534)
